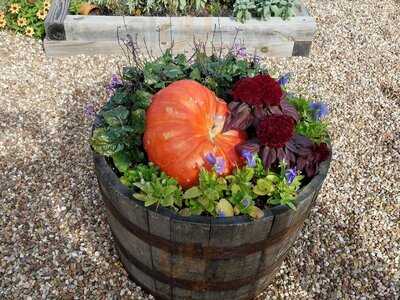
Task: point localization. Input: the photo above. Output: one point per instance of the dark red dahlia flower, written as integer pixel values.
(275, 130)
(258, 90)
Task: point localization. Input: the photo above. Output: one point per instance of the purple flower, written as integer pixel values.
(211, 159)
(217, 162)
(239, 51)
(219, 166)
(256, 59)
(250, 158)
(221, 214)
(89, 111)
(291, 175)
(246, 203)
(320, 109)
(114, 83)
(284, 79)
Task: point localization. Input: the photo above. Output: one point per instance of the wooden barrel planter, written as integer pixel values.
(174, 257)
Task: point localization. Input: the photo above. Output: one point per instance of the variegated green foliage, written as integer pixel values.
(276, 8)
(264, 9)
(215, 195)
(242, 9)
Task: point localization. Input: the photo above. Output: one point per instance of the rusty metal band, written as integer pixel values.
(196, 249)
(200, 285)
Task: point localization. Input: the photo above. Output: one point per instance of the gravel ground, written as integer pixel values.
(54, 239)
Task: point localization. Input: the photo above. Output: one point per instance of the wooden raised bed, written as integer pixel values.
(174, 257)
(76, 34)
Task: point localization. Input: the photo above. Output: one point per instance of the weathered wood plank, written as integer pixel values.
(186, 267)
(142, 278)
(183, 29)
(231, 235)
(54, 23)
(161, 260)
(133, 245)
(68, 48)
(301, 48)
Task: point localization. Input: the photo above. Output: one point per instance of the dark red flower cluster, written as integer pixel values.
(275, 130)
(258, 90)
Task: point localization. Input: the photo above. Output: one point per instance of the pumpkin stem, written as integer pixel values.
(217, 127)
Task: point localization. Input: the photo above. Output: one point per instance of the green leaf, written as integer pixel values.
(141, 99)
(181, 60)
(116, 117)
(106, 142)
(255, 212)
(291, 205)
(121, 161)
(185, 212)
(138, 120)
(151, 72)
(139, 196)
(131, 73)
(195, 74)
(224, 208)
(140, 185)
(120, 97)
(167, 202)
(172, 72)
(193, 192)
(150, 201)
(272, 177)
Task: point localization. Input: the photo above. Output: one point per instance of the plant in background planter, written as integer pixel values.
(26, 17)
(242, 10)
(208, 168)
(84, 8)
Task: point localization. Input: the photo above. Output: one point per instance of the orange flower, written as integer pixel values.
(29, 31)
(3, 23)
(41, 14)
(14, 8)
(21, 22)
(46, 5)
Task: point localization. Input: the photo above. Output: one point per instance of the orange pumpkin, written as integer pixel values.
(183, 124)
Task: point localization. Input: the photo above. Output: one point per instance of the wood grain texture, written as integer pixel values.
(68, 48)
(54, 23)
(192, 269)
(301, 48)
(184, 29)
(161, 260)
